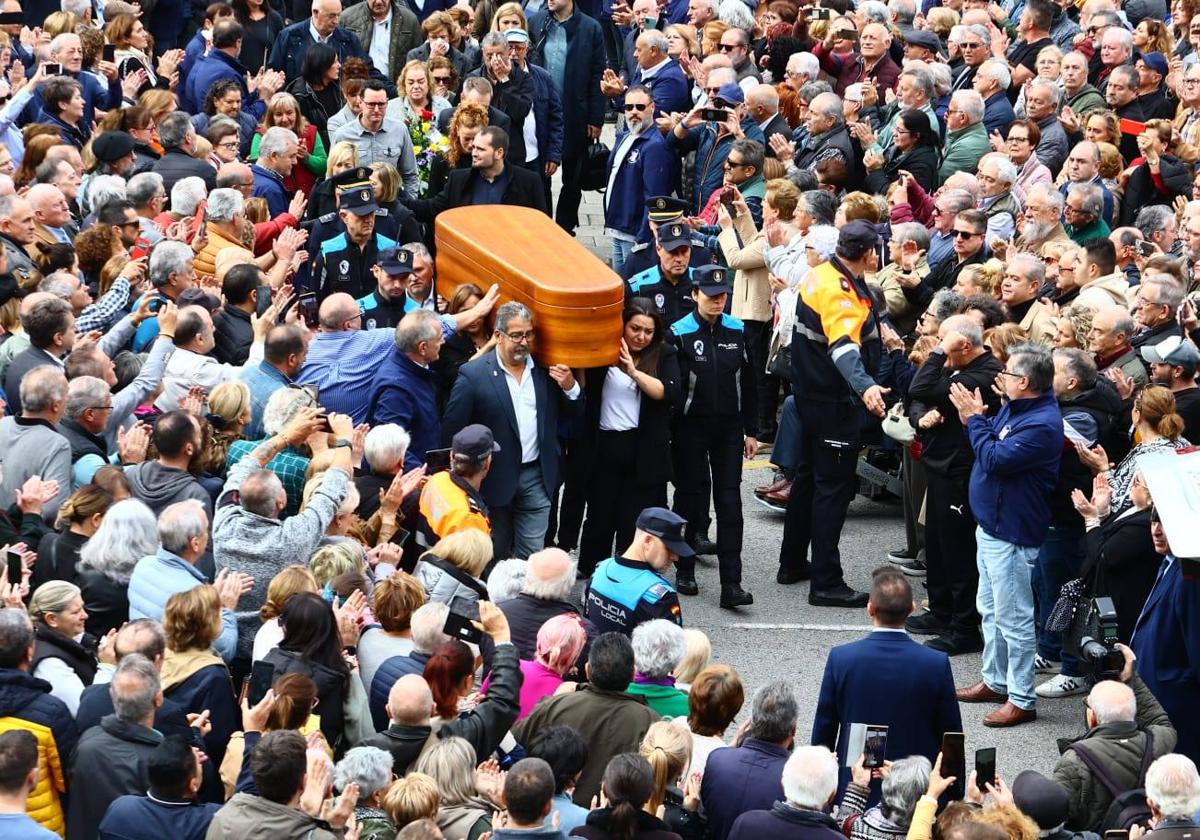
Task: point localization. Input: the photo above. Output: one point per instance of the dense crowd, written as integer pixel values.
(302, 540)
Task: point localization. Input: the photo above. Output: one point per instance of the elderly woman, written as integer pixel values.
(658, 646)
(465, 811)
(695, 658)
(715, 698)
(284, 111)
(394, 601)
(903, 787)
(127, 533)
(63, 654)
(441, 569)
(416, 98)
(559, 642)
(385, 449)
(371, 769)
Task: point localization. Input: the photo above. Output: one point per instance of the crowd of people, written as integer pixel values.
(302, 540)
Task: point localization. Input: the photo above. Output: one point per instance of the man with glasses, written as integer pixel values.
(145, 191)
(1084, 206)
(735, 43)
(947, 204)
(710, 140)
(380, 139)
(1083, 167)
(966, 137)
(1188, 121)
(1017, 456)
(639, 167)
(526, 471)
(89, 405)
(975, 48)
(1159, 297)
(970, 228)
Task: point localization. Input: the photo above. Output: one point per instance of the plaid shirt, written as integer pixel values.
(289, 465)
(101, 314)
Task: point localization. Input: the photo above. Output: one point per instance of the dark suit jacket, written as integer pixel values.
(480, 395)
(495, 117)
(777, 125)
(514, 98)
(887, 678)
(28, 359)
(524, 189)
(583, 103)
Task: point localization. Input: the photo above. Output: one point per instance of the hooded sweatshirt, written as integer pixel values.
(158, 486)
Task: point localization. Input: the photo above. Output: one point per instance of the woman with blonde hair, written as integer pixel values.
(509, 16)
(469, 551)
(560, 640)
(710, 36)
(682, 42)
(695, 658)
(79, 517)
(412, 797)
(1000, 339)
(417, 99)
(284, 111)
(1010, 820)
(342, 156)
(63, 654)
(329, 561)
(668, 748)
(1074, 323)
(980, 279)
(229, 411)
(464, 811)
(289, 581)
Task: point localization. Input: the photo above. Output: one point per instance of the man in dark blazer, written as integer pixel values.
(762, 102)
(887, 679)
(293, 41)
(490, 180)
(530, 399)
(513, 90)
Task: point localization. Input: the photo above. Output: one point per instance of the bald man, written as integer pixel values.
(546, 592)
(320, 19)
(762, 102)
(51, 214)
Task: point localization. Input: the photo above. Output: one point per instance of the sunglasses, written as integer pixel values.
(966, 234)
(728, 47)
(632, 106)
(442, 80)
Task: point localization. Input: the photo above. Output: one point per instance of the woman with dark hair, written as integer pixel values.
(313, 645)
(317, 90)
(127, 33)
(450, 673)
(915, 149)
(466, 345)
(138, 123)
(262, 24)
(55, 256)
(224, 98)
(626, 433)
(628, 784)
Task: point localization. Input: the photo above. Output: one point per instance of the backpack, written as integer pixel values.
(1129, 806)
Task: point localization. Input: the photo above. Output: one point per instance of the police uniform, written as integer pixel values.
(672, 300)
(836, 353)
(707, 437)
(379, 312)
(623, 593)
(663, 210)
(342, 266)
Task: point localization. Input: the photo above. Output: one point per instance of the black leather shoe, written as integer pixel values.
(925, 624)
(786, 577)
(840, 596)
(956, 644)
(734, 596)
(686, 586)
(705, 546)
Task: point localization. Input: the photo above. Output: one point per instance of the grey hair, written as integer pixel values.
(181, 523)
(187, 194)
(371, 767)
(142, 188)
(940, 73)
(923, 80)
(1033, 268)
(507, 579)
(1056, 93)
(1150, 220)
(1093, 198)
(415, 327)
(60, 41)
(419, 249)
(736, 14)
(819, 204)
(1054, 198)
(134, 687)
(982, 31)
(1034, 362)
(903, 787)
(275, 141)
(169, 257)
(903, 11)
(1123, 35)
(451, 763)
(812, 90)
(946, 302)
(127, 533)
(810, 777)
(174, 129)
(282, 406)
(225, 204)
(717, 73)
(658, 645)
(806, 63)
(552, 589)
(104, 188)
(1170, 292)
(1111, 701)
(1079, 365)
(1130, 74)
(970, 103)
(828, 105)
(1174, 785)
(967, 327)
(493, 39)
(426, 625)
(957, 201)
(386, 446)
(77, 7)
(773, 717)
(61, 284)
(655, 40)
(877, 12)
(84, 392)
(512, 311)
(41, 388)
(16, 633)
(911, 232)
(997, 70)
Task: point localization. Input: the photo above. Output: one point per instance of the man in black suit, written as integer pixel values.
(506, 383)
(490, 180)
(478, 91)
(763, 104)
(918, 705)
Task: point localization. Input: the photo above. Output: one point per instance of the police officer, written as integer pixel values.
(669, 282)
(384, 307)
(344, 263)
(627, 590)
(450, 499)
(662, 210)
(836, 353)
(716, 429)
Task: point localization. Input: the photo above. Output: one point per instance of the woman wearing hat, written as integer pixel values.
(112, 153)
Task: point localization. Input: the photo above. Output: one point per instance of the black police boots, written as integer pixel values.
(704, 546)
(733, 595)
(686, 585)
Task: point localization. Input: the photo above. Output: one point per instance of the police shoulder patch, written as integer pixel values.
(657, 592)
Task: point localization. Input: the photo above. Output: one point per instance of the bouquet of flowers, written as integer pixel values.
(428, 144)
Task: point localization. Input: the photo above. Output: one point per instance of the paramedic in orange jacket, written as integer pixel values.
(450, 500)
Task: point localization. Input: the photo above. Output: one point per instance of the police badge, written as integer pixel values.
(660, 300)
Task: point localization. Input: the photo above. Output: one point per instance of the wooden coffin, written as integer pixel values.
(575, 297)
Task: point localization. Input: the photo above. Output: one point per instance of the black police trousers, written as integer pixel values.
(701, 445)
(823, 487)
(952, 576)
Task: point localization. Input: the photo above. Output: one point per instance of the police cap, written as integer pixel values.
(474, 441)
(668, 527)
(713, 280)
(358, 200)
(665, 208)
(355, 176)
(673, 235)
(857, 238)
(396, 261)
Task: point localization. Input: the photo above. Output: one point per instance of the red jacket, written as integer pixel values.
(850, 68)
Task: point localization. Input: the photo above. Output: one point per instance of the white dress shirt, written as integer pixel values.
(524, 398)
(381, 42)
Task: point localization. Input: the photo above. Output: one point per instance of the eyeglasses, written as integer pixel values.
(966, 234)
(713, 91)
(973, 46)
(1012, 138)
(633, 106)
(1069, 209)
(367, 104)
(728, 47)
(232, 144)
(134, 223)
(442, 80)
(519, 338)
(1013, 375)
(99, 408)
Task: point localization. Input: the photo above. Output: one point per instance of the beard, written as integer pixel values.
(1036, 231)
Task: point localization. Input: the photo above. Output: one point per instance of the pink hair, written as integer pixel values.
(560, 641)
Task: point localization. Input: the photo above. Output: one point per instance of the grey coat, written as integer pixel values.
(34, 447)
(1054, 146)
(441, 587)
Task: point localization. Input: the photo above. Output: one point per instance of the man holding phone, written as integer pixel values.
(451, 499)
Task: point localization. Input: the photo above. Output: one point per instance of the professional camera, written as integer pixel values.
(1098, 642)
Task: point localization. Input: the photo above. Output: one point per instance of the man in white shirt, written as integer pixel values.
(191, 366)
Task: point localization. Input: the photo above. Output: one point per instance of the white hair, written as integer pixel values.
(142, 188)
(127, 533)
(997, 70)
(371, 767)
(181, 523)
(426, 626)
(876, 12)
(1006, 171)
(736, 14)
(507, 579)
(385, 447)
(101, 190)
(225, 204)
(84, 392)
(169, 257)
(658, 645)
(187, 194)
(1111, 701)
(823, 239)
(275, 141)
(1174, 785)
(281, 407)
(806, 63)
(810, 778)
(970, 103)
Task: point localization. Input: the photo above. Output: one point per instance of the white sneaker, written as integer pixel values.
(1042, 665)
(1062, 686)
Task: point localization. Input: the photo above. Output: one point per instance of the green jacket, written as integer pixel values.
(667, 700)
(1086, 100)
(1098, 229)
(964, 148)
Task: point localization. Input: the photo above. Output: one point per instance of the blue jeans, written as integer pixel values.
(1058, 561)
(620, 253)
(519, 528)
(787, 439)
(1009, 636)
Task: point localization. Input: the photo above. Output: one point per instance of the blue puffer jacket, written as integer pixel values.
(1016, 468)
(711, 150)
(157, 577)
(385, 677)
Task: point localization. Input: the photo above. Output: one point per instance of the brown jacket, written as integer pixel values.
(751, 288)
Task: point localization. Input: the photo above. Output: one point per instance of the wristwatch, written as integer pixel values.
(343, 442)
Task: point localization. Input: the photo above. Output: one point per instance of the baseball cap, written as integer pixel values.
(673, 235)
(359, 200)
(665, 208)
(474, 441)
(856, 238)
(713, 280)
(1172, 350)
(1042, 800)
(732, 93)
(520, 36)
(921, 38)
(112, 145)
(396, 260)
(1156, 61)
(668, 527)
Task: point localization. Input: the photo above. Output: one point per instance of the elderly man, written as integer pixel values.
(997, 175)
(545, 593)
(1172, 789)
(67, 49)
(191, 365)
(1083, 167)
(1080, 97)
(178, 138)
(872, 62)
(89, 404)
(1083, 211)
(1158, 225)
(51, 213)
(735, 43)
(378, 138)
(966, 136)
(975, 47)
(145, 191)
(1155, 309)
(1116, 50)
(827, 137)
(513, 90)
(762, 104)
(1121, 95)
(1016, 464)
(404, 390)
(1108, 340)
(387, 30)
(1024, 275)
(903, 314)
(277, 155)
(991, 81)
(809, 786)
(1188, 120)
(172, 272)
(948, 203)
(18, 232)
(292, 43)
(30, 445)
(247, 534)
(1041, 105)
(656, 71)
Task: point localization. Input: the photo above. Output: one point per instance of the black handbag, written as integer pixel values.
(593, 173)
